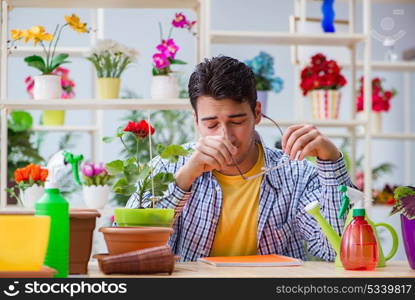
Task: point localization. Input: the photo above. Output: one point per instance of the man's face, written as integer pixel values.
(228, 118)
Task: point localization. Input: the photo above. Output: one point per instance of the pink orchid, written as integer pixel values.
(88, 169)
(98, 169)
(168, 48)
(179, 21)
(160, 61)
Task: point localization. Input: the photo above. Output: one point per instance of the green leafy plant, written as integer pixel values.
(405, 201)
(134, 174)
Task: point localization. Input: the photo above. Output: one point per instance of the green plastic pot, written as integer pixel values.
(132, 217)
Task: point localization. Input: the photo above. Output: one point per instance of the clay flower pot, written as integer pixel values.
(125, 239)
(82, 225)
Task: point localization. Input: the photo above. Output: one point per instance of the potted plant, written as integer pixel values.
(55, 117)
(48, 84)
(321, 80)
(380, 101)
(263, 67)
(145, 227)
(405, 204)
(164, 84)
(95, 187)
(110, 60)
(30, 181)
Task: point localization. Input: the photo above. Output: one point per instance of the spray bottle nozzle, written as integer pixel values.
(74, 161)
(351, 195)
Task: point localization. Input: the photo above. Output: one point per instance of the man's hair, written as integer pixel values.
(223, 77)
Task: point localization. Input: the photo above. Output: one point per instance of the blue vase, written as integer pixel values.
(327, 22)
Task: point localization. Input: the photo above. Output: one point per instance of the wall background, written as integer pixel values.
(139, 29)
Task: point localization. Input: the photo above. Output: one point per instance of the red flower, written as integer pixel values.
(380, 97)
(140, 129)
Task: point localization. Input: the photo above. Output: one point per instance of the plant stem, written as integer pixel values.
(51, 42)
(57, 39)
(170, 31)
(125, 146)
(47, 55)
(161, 32)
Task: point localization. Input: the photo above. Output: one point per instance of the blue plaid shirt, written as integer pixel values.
(283, 225)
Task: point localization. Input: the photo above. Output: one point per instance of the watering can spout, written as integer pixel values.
(333, 237)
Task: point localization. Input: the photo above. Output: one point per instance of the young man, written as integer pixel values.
(218, 212)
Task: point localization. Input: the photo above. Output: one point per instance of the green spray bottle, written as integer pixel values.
(53, 204)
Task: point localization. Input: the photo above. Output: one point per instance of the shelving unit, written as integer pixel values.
(205, 39)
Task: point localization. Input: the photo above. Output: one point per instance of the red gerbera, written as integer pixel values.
(140, 129)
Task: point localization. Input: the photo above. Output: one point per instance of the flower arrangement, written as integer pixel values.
(94, 174)
(111, 58)
(49, 62)
(263, 67)
(67, 84)
(405, 201)
(167, 49)
(135, 175)
(385, 195)
(380, 97)
(321, 74)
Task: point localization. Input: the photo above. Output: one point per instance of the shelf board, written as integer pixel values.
(318, 123)
(79, 104)
(72, 51)
(284, 38)
(104, 3)
(65, 128)
(397, 66)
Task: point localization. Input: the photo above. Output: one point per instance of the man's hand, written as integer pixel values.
(310, 141)
(211, 153)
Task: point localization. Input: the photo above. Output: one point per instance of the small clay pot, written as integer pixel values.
(125, 239)
(82, 225)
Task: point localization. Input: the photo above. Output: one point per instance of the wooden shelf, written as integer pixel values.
(396, 66)
(72, 51)
(64, 128)
(284, 38)
(104, 3)
(79, 104)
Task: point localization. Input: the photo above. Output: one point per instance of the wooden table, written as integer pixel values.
(308, 270)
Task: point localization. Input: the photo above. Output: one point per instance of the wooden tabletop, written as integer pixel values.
(308, 270)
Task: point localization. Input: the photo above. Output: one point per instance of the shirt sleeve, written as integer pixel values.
(322, 186)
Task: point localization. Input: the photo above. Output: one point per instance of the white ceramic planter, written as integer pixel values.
(262, 96)
(96, 196)
(376, 122)
(47, 87)
(164, 87)
(31, 195)
(325, 104)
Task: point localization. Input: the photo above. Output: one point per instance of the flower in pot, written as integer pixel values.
(380, 101)
(48, 84)
(405, 204)
(30, 182)
(164, 84)
(263, 67)
(110, 60)
(55, 117)
(140, 227)
(322, 79)
(95, 187)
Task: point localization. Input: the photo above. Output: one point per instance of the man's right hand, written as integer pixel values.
(211, 153)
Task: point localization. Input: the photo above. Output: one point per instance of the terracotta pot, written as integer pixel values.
(125, 239)
(82, 225)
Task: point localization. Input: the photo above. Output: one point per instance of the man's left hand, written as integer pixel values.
(310, 141)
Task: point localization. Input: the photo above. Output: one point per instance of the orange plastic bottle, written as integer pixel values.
(359, 248)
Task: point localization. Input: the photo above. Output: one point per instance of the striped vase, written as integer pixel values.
(325, 104)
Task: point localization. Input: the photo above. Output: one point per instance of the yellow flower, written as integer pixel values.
(37, 33)
(17, 34)
(26, 35)
(75, 23)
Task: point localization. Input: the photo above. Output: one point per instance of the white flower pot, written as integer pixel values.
(31, 195)
(96, 196)
(164, 87)
(47, 87)
(262, 96)
(325, 104)
(376, 122)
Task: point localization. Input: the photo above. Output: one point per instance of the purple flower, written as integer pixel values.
(88, 169)
(168, 48)
(99, 168)
(160, 61)
(179, 21)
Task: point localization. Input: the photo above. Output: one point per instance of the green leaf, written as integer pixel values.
(58, 60)
(115, 167)
(20, 121)
(160, 148)
(173, 152)
(145, 172)
(36, 62)
(161, 182)
(108, 139)
(178, 62)
(123, 187)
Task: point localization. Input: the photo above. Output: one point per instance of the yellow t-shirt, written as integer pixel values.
(236, 233)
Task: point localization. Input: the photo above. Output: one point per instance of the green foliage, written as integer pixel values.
(39, 63)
